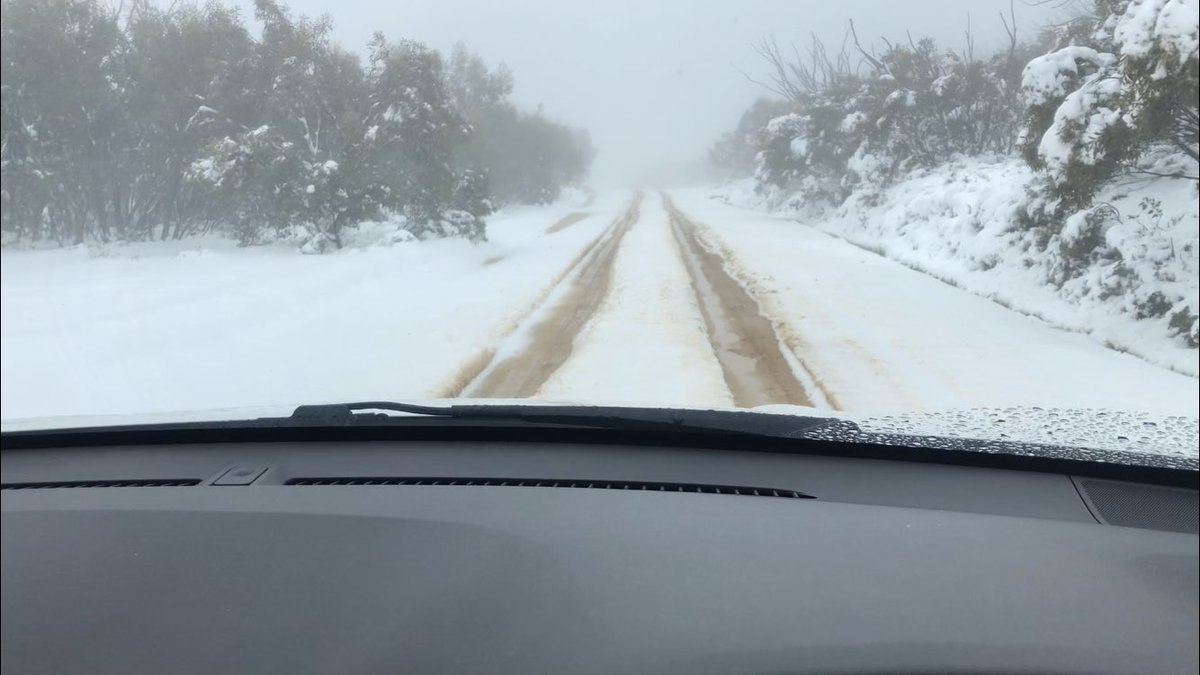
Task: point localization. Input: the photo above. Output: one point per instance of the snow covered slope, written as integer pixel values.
(884, 338)
(958, 223)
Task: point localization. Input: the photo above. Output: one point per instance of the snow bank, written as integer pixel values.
(957, 223)
(188, 325)
(884, 338)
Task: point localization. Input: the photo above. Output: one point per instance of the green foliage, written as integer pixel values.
(61, 103)
(1082, 245)
(1154, 306)
(473, 192)
(1185, 324)
(915, 106)
(165, 122)
(1105, 100)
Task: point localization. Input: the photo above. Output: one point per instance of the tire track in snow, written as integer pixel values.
(543, 341)
(567, 221)
(758, 367)
(838, 332)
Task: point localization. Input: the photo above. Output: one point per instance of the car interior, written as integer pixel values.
(504, 549)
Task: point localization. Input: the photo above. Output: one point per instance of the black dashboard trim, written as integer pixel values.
(442, 429)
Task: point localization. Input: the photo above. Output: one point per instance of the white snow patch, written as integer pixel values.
(884, 337)
(958, 223)
(154, 327)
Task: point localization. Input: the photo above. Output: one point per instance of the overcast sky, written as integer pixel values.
(654, 81)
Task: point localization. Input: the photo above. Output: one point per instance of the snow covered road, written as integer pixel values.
(655, 299)
(710, 305)
(543, 341)
(880, 337)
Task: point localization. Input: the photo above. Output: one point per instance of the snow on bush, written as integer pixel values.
(1051, 76)
(1137, 288)
(453, 223)
(1169, 25)
(1095, 110)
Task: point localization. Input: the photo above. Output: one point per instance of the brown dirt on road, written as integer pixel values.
(567, 221)
(552, 338)
(745, 342)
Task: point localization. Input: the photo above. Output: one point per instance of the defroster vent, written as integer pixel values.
(642, 486)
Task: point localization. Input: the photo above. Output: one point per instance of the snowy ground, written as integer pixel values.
(884, 337)
(648, 332)
(955, 223)
(171, 326)
(204, 324)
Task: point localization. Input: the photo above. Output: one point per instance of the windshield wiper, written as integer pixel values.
(373, 413)
(738, 430)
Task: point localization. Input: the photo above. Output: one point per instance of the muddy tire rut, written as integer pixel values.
(757, 368)
(549, 332)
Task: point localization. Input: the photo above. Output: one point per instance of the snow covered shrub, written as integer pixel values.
(472, 192)
(923, 106)
(1185, 324)
(1082, 244)
(318, 243)
(1153, 306)
(453, 223)
(1095, 109)
(915, 107)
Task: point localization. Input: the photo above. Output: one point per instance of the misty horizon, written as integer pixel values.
(654, 83)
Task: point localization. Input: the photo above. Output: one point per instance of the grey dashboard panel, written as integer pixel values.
(894, 567)
(860, 481)
(382, 579)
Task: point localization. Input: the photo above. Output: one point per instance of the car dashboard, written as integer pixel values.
(520, 557)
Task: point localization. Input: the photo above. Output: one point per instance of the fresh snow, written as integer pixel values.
(202, 324)
(884, 337)
(198, 324)
(1050, 76)
(1170, 23)
(956, 223)
(647, 343)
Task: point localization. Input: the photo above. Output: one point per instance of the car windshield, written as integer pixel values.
(937, 216)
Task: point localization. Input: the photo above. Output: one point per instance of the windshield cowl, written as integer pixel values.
(1091, 435)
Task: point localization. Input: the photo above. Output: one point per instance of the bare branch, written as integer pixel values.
(1146, 172)
(1010, 28)
(969, 54)
(875, 63)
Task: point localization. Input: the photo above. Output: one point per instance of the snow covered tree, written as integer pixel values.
(144, 120)
(61, 89)
(473, 192)
(188, 75)
(1157, 41)
(1127, 97)
(289, 167)
(417, 131)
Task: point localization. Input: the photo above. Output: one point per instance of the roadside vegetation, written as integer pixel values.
(138, 122)
(1073, 152)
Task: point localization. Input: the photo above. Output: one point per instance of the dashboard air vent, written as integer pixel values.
(545, 482)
